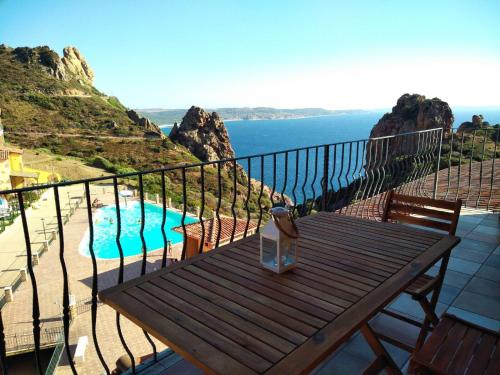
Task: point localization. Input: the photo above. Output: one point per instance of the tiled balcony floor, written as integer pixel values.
(471, 291)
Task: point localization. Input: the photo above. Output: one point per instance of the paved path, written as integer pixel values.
(12, 241)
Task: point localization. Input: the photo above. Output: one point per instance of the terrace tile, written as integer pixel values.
(479, 304)
(470, 255)
(493, 261)
(484, 287)
(463, 266)
(490, 273)
(475, 318)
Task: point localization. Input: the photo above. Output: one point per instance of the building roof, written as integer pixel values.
(211, 226)
(11, 149)
(24, 174)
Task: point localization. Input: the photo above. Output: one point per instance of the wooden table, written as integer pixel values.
(227, 315)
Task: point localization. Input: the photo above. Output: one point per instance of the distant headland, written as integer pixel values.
(169, 116)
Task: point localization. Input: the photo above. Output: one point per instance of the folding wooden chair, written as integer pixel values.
(438, 215)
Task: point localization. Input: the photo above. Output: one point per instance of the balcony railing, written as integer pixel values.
(347, 177)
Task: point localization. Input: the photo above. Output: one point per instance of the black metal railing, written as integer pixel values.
(348, 177)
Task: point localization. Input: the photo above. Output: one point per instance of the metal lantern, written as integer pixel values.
(278, 241)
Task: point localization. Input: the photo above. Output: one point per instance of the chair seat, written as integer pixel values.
(417, 284)
(459, 347)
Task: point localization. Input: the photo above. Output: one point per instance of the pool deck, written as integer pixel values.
(17, 314)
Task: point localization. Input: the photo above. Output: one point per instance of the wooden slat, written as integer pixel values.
(424, 201)
(419, 221)
(357, 237)
(247, 326)
(288, 295)
(389, 234)
(189, 345)
(211, 336)
(303, 285)
(259, 318)
(291, 329)
(482, 356)
(442, 215)
(288, 306)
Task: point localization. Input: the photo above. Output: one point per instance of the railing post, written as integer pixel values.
(324, 182)
(436, 178)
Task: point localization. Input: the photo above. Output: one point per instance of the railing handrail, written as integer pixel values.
(196, 165)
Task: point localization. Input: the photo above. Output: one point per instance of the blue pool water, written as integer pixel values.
(105, 229)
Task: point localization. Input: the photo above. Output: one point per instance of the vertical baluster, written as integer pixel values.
(219, 201)
(381, 186)
(297, 154)
(366, 179)
(481, 169)
(235, 192)
(304, 196)
(164, 220)
(449, 166)
(470, 167)
(360, 178)
(459, 166)
(415, 165)
(249, 187)
(200, 216)
(324, 180)
(340, 193)
(493, 160)
(184, 209)
(314, 181)
(332, 177)
(120, 269)
(346, 178)
(145, 255)
(273, 190)
(373, 179)
(36, 306)
(65, 299)
(259, 200)
(421, 174)
(3, 350)
(354, 183)
(285, 177)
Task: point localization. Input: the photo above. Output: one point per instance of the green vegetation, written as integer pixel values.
(74, 120)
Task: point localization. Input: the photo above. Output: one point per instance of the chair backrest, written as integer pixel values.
(432, 213)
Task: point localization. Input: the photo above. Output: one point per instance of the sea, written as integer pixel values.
(253, 137)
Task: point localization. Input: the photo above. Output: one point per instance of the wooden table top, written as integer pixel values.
(227, 315)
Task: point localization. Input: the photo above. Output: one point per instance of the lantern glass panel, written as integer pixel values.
(288, 251)
(269, 252)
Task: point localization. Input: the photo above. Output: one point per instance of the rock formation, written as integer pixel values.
(72, 66)
(414, 113)
(476, 123)
(151, 128)
(76, 65)
(410, 114)
(203, 134)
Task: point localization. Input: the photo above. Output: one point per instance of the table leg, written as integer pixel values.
(380, 351)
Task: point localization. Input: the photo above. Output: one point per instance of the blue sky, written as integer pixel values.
(332, 54)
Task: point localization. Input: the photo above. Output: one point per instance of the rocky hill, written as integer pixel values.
(203, 134)
(413, 113)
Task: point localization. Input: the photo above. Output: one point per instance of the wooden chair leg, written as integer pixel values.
(428, 310)
(380, 351)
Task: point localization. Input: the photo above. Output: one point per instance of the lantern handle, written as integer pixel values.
(282, 230)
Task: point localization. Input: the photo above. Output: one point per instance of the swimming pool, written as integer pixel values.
(105, 229)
